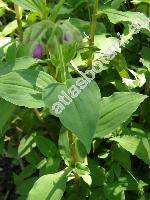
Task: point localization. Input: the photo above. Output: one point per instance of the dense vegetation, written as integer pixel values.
(74, 99)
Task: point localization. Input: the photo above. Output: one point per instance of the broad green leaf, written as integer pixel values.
(24, 63)
(24, 87)
(32, 5)
(51, 165)
(50, 151)
(140, 1)
(4, 41)
(114, 192)
(27, 143)
(3, 5)
(119, 153)
(9, 28)
(135, 18)
(80, 108)
(25, 186)
(34, 157)
(129, 182)
(11, 53)
(49, 187)
(117, 169)
(97, 194)
(115, 110)
(97, 173)
(6, 111)
(28, 171)
(104, 43)
(20, 63)
(145, 58)
(45, 145)
(116, 3)
(13, 62)
(136, 146)
(82, 169)
(84, 26)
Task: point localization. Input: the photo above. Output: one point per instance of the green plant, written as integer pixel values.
(69, 135)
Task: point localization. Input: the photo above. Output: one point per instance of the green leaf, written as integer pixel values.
(116, 3)
(6, 111)
(51, 165)
(25, 186)
(82, 169)
(84, 26)
(129, 182)
(117, 169)
(136, 18)
(114, 192)
(115, 110)
(49, 187)
(80, 108)
(32, 5)
(118, 154)
(136, 146)
(27, 143)
(24, 87)
(97, 194)
(20, 63)
(45, 145)
(140, 1)
(97, 173)
(145, 57)
(9, 28)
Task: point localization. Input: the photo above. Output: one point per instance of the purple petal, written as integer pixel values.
(68, 37)
(38, 51)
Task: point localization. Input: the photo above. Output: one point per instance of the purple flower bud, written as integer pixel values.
(68, 37)
(38, 51)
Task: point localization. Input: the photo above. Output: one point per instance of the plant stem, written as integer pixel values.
(72, 148)
(19, 22)
(38, 115)
(74, 157)
(93, 30)
(61, 60)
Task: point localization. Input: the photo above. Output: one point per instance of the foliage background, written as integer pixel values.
(38, 146)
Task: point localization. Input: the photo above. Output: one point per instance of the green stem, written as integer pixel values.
(74, 158)
(93, 30)
(61, 58)
(44, 11)
(19, 22)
